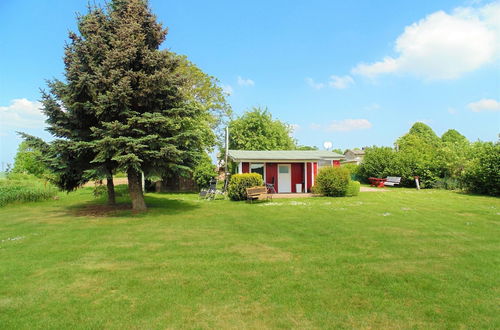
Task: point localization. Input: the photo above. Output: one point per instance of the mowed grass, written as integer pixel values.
(397, 259)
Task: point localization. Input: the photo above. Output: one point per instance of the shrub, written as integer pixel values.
(236, 189)
(353, 188)
(482, 174)
(204, 172)
(332, 181)
(447, 183)
(353, 169)
(314, 190)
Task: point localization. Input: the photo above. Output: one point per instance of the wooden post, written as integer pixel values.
(305, 177)
(417, 182)
(143, 182)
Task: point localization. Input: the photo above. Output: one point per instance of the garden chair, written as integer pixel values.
(212, 191)
(270, 187)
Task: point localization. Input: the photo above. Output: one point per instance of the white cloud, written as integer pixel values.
(22, 113)
(314, 84)
(484, 105)
(245, 82)
(341, 82)
(228, 89)
(347, 125)
(452, 111)
(443, 46)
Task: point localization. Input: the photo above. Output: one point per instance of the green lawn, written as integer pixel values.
(397, 259)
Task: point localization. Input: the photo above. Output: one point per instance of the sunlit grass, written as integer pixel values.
(397, 259)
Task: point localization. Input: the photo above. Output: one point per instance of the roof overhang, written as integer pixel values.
(283, 156)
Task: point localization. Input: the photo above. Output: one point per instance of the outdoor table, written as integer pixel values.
(377, 182)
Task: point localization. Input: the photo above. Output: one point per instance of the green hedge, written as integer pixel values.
(236, 189)
(353, 169)
(482, 174)
(353, 188)
(332, 181)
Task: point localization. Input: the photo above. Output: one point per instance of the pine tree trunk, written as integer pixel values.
(135, 190)
(111, 189)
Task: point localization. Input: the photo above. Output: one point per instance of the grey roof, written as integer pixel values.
(356, 151)
(283, 155)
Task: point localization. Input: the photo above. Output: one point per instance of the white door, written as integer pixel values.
(284, 178)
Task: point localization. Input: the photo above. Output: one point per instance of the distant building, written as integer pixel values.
(354, 156)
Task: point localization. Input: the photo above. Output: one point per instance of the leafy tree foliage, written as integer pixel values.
(482, 173)
(29, 160)
(203, 91)
(453, 136)
(438, 162)
(306, 148)
(257, 130)
(380, 162)
(419, 132)
(204, 171)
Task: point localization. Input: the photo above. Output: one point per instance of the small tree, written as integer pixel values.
(204, 171)
(29, 160)
(257, 130)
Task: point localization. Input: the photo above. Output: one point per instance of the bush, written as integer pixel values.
(482, 174)
(353, 169)
(314, 190)
(447, 183)
(204, 172)
(332, 181)
(236, 189)
(353, 188)
(379, 162)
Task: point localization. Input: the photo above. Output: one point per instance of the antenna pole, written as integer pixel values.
(225, 159)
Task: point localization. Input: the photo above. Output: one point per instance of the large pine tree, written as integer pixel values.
(122, 104)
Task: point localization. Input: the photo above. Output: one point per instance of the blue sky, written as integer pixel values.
(356, 73)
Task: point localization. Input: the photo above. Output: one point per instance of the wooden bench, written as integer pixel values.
(258, 193)
(392, 181)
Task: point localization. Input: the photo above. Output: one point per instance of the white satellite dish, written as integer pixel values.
(327, 145)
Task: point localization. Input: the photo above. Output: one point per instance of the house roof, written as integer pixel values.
(283, 155)
(356, 151)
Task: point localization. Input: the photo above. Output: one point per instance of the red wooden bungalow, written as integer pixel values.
(291, 171)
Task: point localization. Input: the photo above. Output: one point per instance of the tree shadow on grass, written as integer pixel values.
(473, 194)
(123, 207)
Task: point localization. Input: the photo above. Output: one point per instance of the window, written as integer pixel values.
(283, 169)
(324, 163)
(257, 168)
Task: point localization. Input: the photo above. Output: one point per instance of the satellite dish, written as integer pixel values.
(327, 145)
